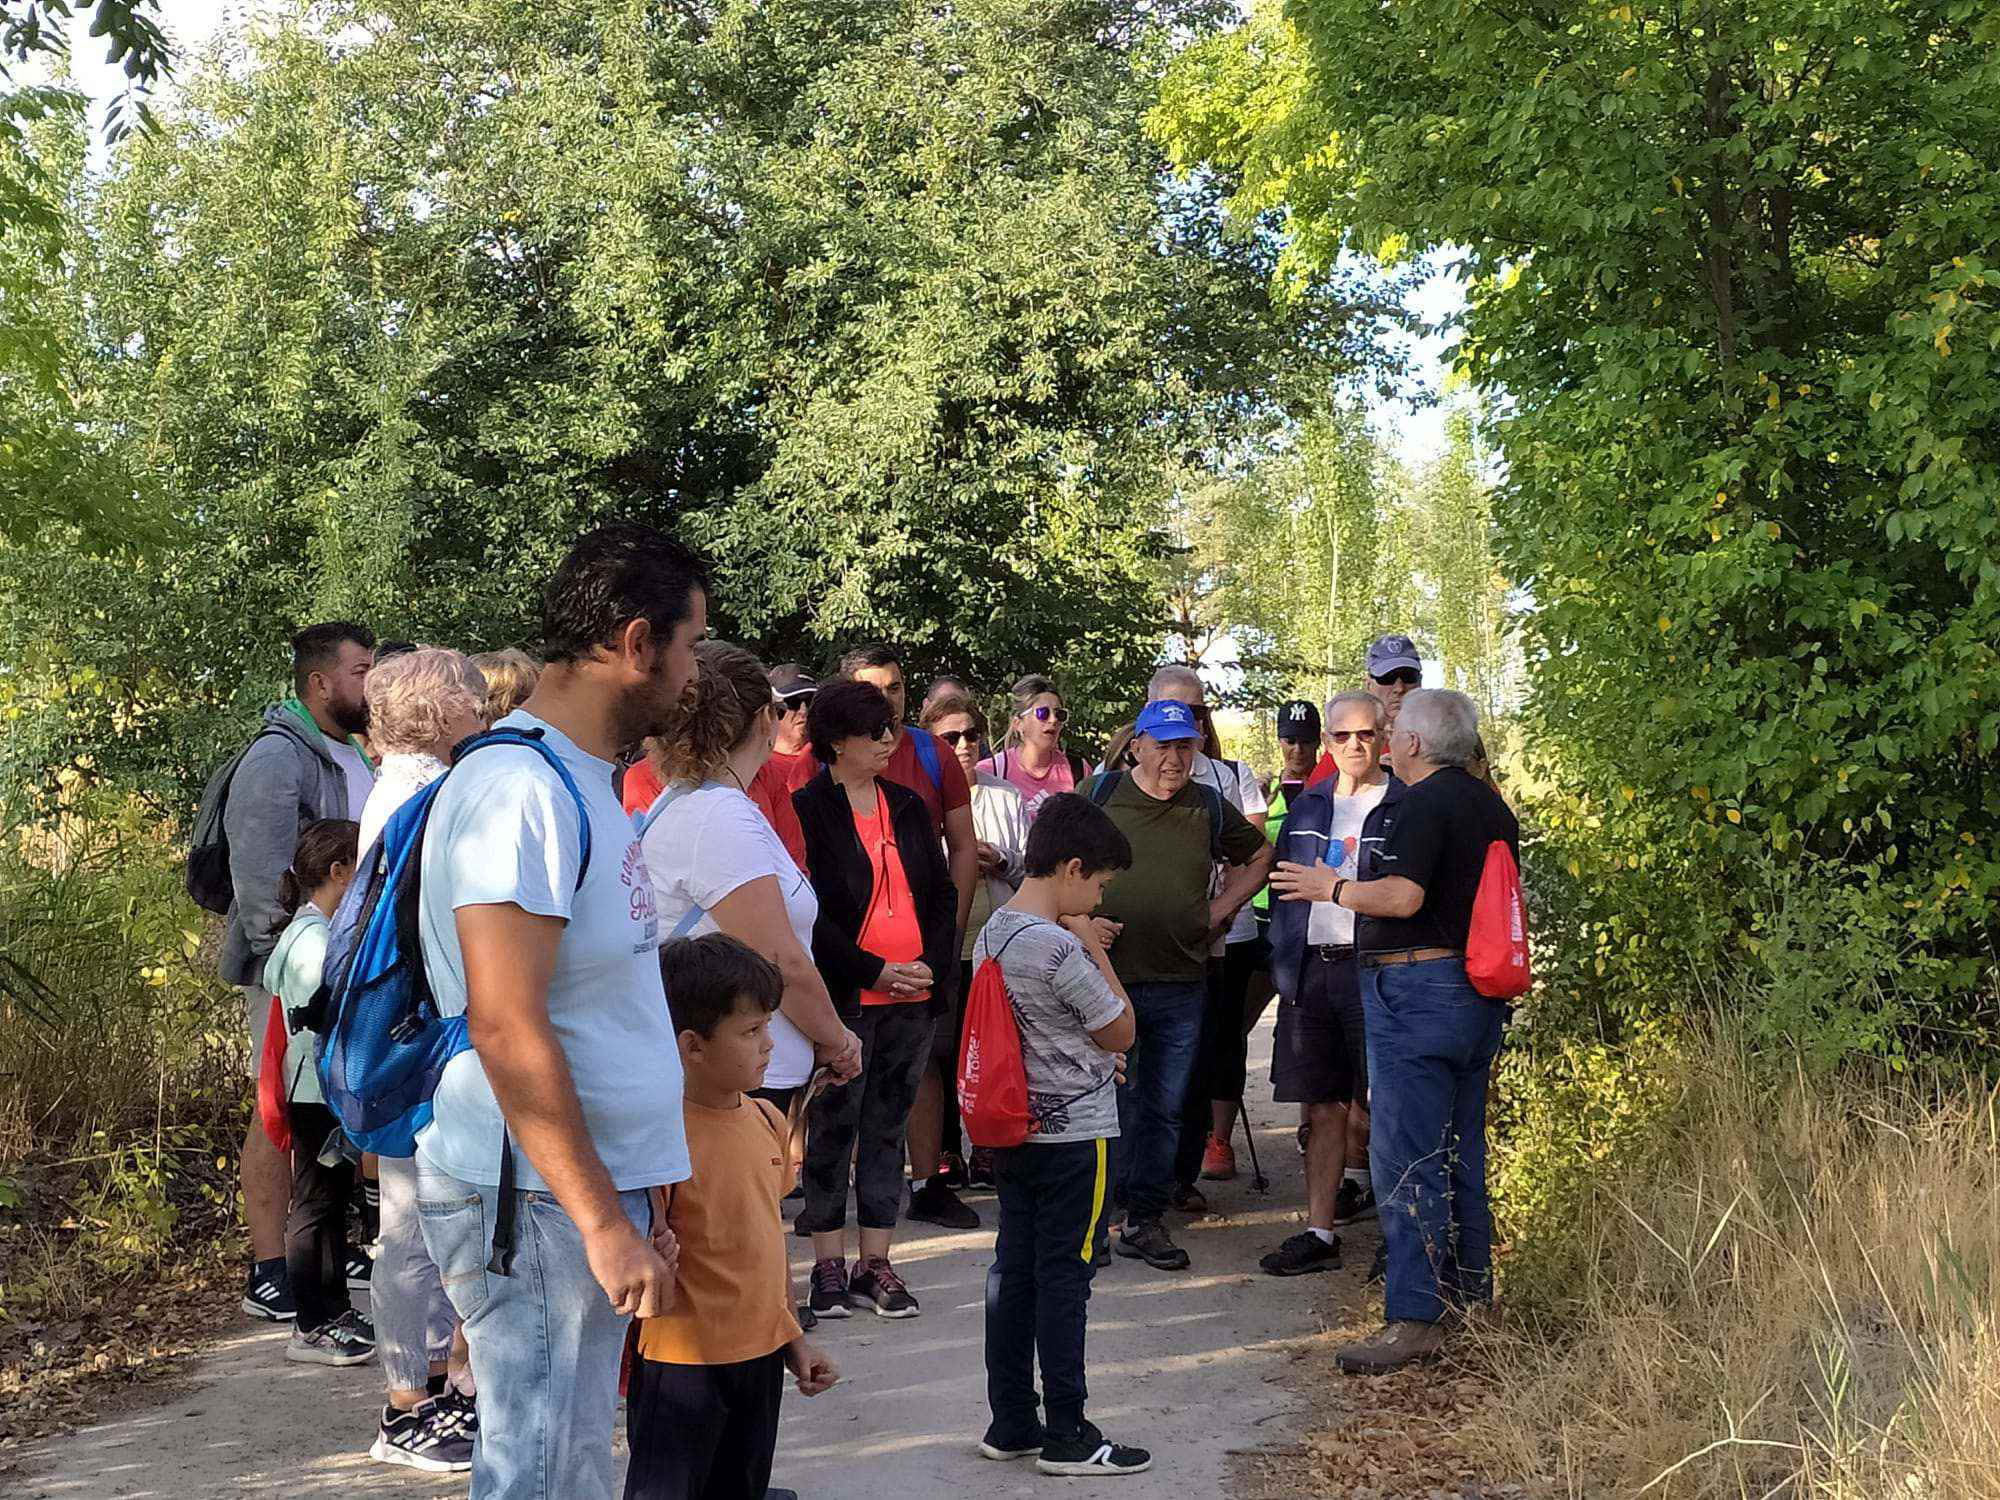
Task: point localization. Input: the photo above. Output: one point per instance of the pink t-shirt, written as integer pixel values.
(1034, 790)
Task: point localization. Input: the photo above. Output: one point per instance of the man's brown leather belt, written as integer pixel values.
(1410, 956)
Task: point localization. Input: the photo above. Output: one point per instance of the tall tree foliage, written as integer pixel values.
(1732, 287)
(893, 309)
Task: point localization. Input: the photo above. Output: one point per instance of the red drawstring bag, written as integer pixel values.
(992, 1082)
(1496, 947)
(271, 1112)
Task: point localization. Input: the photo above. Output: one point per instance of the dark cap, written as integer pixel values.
(1391, 653)
(789, 681)
(1298, 720)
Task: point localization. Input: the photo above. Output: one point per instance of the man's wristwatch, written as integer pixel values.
(1339, 885)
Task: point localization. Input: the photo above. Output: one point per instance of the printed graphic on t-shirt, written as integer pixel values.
(639, 887)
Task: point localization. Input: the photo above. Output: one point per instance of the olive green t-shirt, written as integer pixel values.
(1163, 898)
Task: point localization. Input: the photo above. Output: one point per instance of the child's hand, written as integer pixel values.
(816, 1372)
(1117, 1068)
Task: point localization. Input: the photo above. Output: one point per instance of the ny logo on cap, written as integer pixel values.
(1298, 713)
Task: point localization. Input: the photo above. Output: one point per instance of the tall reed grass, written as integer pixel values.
(1780, 1284)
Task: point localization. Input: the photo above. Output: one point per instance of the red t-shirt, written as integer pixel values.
(642, 787)
(771, 789)
(890, 931)
(947, 792)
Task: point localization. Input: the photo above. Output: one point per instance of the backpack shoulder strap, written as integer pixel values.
(927, 754)
(1079, 770)
(696, 911)
(1213, 800)
(1106, 783)
(780, 1132)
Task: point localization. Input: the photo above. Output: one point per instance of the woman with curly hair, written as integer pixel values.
(709, 851)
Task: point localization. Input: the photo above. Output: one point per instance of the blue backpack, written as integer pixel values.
(382, 1045)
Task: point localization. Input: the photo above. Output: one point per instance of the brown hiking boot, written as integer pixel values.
(1396, 1345)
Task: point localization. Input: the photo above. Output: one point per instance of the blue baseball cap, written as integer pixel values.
(1167, 720)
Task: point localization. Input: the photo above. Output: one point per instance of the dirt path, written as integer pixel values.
(1200, 1366)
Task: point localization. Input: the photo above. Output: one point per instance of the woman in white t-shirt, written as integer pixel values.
(717, 865)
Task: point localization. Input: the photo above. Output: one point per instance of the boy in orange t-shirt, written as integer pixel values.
(702, 1406)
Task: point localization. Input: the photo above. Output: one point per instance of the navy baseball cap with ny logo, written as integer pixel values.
(1298, 720)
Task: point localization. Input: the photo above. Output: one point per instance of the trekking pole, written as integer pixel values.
(1257, 1178)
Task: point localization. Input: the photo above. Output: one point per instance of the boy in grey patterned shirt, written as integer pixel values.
(1075, 1023)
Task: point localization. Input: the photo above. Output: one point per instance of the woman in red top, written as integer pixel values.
(886, 926)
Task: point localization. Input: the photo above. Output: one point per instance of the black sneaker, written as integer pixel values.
(430, 1438)
(829, 1289)
(1005, 1447)
(1087, 1451)
(979, 1169)
(1353, 1203)
(808, 1319)
(360, 1269)
(267, 1292)
(934, 1203)
(877, 1287)
(1378, 1268)
(1150, 1243)
(347, 1340)
(1303, 1252)
(1189, 1199)
(951, 1168)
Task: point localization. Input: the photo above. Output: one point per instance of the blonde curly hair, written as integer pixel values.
(714, 717)
(511, 675)
(412, 698)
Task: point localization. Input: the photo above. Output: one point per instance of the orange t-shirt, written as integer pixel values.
(733, 1297)
(890, 931)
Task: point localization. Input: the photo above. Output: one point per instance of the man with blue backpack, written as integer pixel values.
(550, 1101)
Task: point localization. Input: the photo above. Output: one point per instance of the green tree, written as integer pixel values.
(1731, 297)
(893, 309)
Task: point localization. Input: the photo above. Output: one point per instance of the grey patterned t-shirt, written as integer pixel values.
(1059, 999)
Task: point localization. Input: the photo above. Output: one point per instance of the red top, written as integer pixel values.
(890, 931)
(642, 786)
(948, 792)
(771, 789)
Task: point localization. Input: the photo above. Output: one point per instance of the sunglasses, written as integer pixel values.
(956, 737)
(797, 703)
(1342, 736)
(886, 732)
(1045, 713)
(1403, 675)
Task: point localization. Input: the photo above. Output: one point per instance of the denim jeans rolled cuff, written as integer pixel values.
(544, 1341)
(406, 1302)
(1158, 1067)
(1431, 1042)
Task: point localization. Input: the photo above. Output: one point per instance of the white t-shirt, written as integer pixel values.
(399, 778)
(504, 832)
(1331, 926)
(705, 844)
(1241, 788)
(360, 780)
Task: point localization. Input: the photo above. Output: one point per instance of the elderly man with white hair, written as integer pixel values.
(1431, 1036)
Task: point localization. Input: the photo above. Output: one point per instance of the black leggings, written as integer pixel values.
(868, 1119)
(316, 1228)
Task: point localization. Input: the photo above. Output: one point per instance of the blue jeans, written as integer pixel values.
(1158, 1069)
(545, 1343)
(1431, 1042)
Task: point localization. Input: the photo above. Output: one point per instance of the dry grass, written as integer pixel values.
(1787, 1291)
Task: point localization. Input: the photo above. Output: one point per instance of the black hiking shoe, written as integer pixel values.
(1189, 1199)
(1088, 1452)
(878, 1288)
(934, 1203)
(1150, 1243)
(1303, 1252)
(829, 1289)
(1005, 1447)
(1352, 1203)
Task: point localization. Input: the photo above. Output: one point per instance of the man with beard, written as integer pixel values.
(303, 765)
(564, 1115)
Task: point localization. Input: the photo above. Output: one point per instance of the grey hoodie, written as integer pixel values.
(288, 779)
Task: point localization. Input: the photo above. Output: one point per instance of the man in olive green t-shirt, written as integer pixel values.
(1176, 828)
